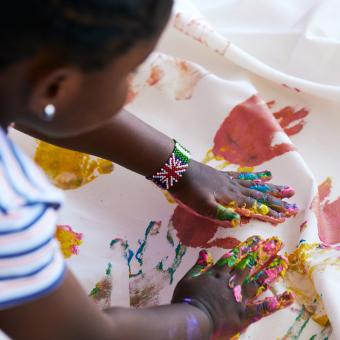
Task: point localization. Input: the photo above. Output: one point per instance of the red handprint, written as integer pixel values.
(246, 135)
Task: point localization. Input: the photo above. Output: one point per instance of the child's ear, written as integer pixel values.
(57, 88)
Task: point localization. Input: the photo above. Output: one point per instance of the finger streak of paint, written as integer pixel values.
(288, 115)
(246, 135)
(69, 169)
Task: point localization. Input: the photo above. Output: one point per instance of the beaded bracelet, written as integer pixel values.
(173, 169)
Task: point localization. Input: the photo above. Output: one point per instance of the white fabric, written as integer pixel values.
(286, 51)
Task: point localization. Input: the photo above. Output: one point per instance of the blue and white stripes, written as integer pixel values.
(31, 263)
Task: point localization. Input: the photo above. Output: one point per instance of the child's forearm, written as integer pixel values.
(176, 321)
(125, 140)
(68, 313)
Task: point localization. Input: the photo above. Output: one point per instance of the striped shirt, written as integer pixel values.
(31, 264)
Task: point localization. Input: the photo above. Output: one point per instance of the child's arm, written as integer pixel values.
(130, 142)
(69, 314)
(211, 298)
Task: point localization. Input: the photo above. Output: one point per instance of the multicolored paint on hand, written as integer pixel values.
(259, 258)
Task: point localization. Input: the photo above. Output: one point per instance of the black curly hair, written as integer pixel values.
(88, 33)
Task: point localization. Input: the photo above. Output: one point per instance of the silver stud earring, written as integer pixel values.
(49, 112)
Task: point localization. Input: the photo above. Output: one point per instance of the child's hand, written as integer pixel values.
(228, 195)
(226, 290)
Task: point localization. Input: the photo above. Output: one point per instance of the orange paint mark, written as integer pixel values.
(197, 231)
(288, 115)
(156, 74)
(189, 76)
(270, 104)
(327, 213)
(246, 135)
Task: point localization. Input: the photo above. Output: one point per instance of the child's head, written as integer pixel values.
(74, 54)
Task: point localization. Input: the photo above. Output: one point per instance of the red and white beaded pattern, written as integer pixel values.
(173, 169)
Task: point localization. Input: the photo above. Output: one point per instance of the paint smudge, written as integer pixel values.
(189, 76)
(291, 88)
(69, 240)
(145, 290)
(201, 32)
(101, 293)
(271, 103)
(175, 77)
(156, 74)
(198, 231)
(246, 135)
(145, 287)
(327, 213)
(69, 169)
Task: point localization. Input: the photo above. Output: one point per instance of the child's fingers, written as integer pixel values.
(287, 209)
(251, 176)
(234, 256)
(267, 250)
(227, 214)
(249, 206)
(244, 212)
(260, 258)
(266, 277)
(279, 191)
(268, 306)
(203, 263)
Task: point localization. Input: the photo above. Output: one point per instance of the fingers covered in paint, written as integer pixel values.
(254, 265)
(228, 290)
(231, 258)
(259, 199)
(203, 263)
(251, 176)
(227, 214)
(268, 306)
(249, 207)
(279, 191)
(265, 278)
(274, 203)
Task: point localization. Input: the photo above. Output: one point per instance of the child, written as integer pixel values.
(64, 68)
